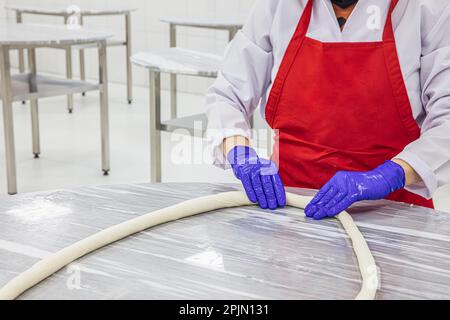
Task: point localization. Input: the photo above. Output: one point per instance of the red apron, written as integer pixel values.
(339, 106)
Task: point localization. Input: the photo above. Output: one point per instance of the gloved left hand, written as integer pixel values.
(346, 188)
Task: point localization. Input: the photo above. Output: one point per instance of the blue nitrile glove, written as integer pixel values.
(260, 177)
(346, 188)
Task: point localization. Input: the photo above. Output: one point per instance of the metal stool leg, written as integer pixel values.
(155, 125)
(104, 107)
(34, 104)
(128, 56)
(8, 121)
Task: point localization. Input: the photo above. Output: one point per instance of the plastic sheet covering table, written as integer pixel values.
(243, 253)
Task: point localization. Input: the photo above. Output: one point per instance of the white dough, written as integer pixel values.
(48, 266)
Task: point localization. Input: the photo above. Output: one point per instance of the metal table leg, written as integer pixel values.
(104, 107)
(34, 104)
(155, 125)
(8, 119)
(232, 33)
(69, 74)
(173, 77)
(82, 61)
(270, 141)
(128, 55)
(21, 51)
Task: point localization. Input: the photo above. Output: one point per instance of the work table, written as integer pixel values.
(240, 253)
(40, 35)
(59, 10)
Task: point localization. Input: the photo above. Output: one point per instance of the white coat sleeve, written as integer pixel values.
(243, 79)
(430, 154)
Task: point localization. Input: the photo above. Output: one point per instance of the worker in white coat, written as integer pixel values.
(357, 91)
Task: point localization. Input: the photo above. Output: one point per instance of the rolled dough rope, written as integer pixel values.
(50, 265)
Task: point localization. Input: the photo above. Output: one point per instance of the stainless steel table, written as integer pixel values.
(230, 25)
(173, 61)
(88, 11)
(242, 253)
(32, 86)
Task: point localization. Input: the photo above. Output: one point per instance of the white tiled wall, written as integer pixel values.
(148, 33)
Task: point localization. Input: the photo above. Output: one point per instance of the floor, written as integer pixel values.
(70, 145)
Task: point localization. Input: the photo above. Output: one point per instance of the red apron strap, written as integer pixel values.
(388, 34)
(288, 59)
(305, 20)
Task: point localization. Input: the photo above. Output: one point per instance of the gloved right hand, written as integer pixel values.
(260, 177)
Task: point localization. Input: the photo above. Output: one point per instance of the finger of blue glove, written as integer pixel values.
(324, 195)
(280, 192)
(320, 214)
(322, 192)
(343, 205)
(326, 207)
(332, 192)
(269, 192)
(336, 199)
(258, 188)
(311, 210)
(248, 187)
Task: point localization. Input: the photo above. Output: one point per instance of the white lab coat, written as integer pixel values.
(422, 32)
